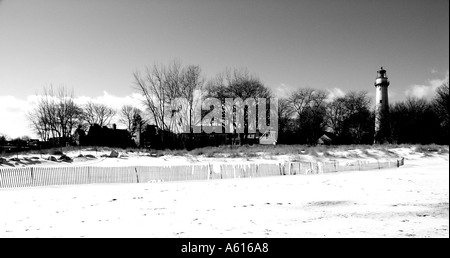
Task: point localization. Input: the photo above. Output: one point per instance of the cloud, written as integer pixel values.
(427, 90)
(285, 90)
(115, 102)
(13, 117)
(112, 101)
(334, 93)
(13, 111)
(282, 91)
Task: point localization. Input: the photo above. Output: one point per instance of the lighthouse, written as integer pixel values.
(381, 107)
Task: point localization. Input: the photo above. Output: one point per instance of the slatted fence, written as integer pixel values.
(44, 176)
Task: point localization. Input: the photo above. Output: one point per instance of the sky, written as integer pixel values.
(94, 46)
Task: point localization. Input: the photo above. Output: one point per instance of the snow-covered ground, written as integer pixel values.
(85, 157)
(410, 201)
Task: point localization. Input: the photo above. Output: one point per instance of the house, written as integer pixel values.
(110, 137)
(325, 139)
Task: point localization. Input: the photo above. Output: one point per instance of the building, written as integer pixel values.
(381, 107)
(110, 137)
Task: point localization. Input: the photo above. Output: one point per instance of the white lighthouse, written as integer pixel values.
(381, 106)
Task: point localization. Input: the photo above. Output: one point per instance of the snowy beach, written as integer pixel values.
(410, 201)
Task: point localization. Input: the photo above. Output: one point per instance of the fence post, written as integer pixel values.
(209, 171)
(137, 175)
(89, 175)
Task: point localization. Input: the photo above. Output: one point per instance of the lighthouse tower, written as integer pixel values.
(381, 106)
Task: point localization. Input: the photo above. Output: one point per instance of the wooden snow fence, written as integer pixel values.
(45, 176)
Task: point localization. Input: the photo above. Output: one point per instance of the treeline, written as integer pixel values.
(306, 116)
(58, 120)
(421, 121)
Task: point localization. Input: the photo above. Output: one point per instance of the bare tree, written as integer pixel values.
(415, 121)
(152, 85)
(300, 100)
(173, 74)
(182, 82)
(94, 113)
(56, 115)
(3, 139)
(441, 106)
(285, 120)
(191, 81)
(308, 108)
(162, 85)
(68, 112)
(238, 84)
(128, 116)
(349, 117)
(40, 122)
